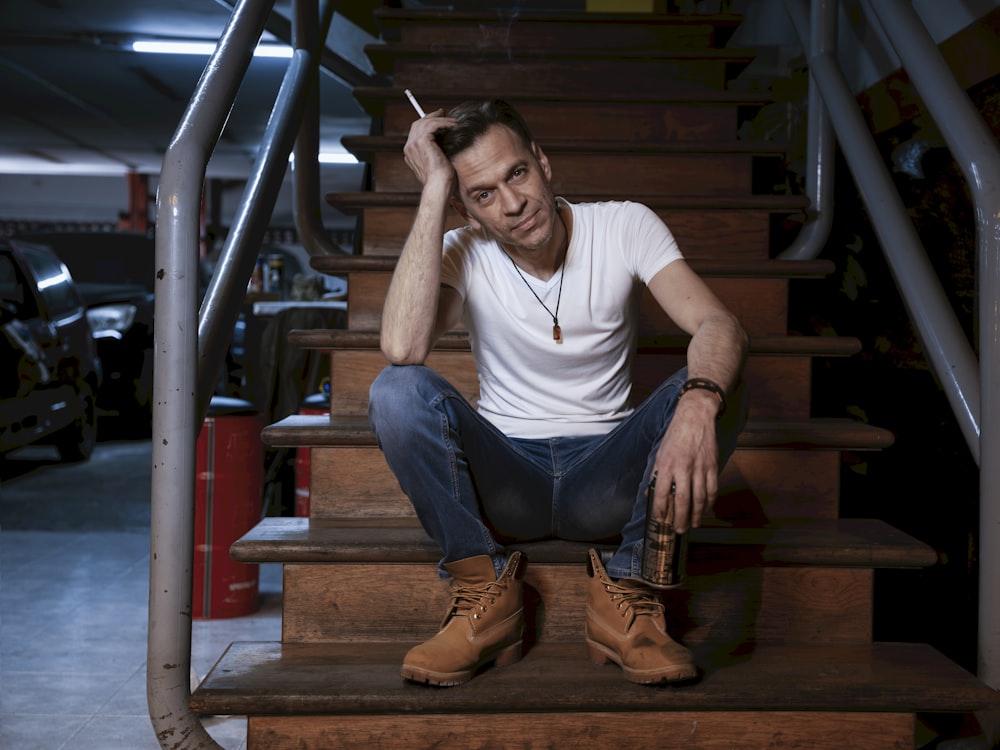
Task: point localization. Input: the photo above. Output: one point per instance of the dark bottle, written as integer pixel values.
(664, 555)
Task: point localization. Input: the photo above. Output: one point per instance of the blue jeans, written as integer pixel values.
(475, 489)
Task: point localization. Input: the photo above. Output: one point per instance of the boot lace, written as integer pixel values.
(474, 597)
(634, 599)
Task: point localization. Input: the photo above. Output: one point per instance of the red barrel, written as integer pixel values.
(228, 503)
(318, 403)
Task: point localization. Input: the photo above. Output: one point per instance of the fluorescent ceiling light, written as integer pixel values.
(337, 157)
(203, 48)
(330, 157)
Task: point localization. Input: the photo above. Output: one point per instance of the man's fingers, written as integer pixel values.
(682, 505)
(698, 499)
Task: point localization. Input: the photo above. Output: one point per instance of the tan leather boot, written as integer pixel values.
(484, 623)
(625, 625)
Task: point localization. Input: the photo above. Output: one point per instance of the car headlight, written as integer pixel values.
(111, 321)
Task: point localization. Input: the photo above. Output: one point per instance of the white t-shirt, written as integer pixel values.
(530, 385)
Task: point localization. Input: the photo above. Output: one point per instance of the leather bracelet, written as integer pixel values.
(708, 385)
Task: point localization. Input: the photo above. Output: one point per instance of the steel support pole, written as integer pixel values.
(820, 143)
(220, 308)
(950, 354)
(976, 152)
(305, 168)
(175, 416)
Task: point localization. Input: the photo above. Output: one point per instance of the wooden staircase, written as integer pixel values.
(779, 604)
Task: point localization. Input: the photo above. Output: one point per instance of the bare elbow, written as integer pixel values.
(742, 337)
(724, 328)
(402, 354)
(403, 361)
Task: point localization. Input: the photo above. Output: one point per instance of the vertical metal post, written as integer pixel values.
(175, 417)
(975, 150)
(305, 169)
(220, 308)
(819, 143)
(950, 354)
(137, 219)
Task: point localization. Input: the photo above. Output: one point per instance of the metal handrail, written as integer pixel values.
(220, 308)
(820, 143)
(175, 422)
(305, 184)
(181, 387)
(948, 351)
(978, 156)
(950, 354)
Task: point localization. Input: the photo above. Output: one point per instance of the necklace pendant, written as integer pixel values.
(557, 333)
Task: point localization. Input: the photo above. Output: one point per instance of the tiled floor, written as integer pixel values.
(73, 612)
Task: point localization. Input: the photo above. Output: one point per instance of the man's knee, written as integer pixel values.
(399, 389)
(391, 387)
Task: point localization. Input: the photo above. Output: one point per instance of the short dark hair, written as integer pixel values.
(474, 119)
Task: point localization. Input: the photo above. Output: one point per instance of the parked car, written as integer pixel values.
(115, 274)
(49, 368)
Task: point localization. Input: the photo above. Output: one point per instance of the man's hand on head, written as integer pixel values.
(423, 155)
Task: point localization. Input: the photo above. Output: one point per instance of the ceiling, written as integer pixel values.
(79, 109)
(78, 100)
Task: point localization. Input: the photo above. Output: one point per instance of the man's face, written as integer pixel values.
(504, 188)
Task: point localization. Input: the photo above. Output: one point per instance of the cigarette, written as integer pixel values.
(413, 101)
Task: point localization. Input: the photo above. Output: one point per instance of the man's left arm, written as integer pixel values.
(688, 457)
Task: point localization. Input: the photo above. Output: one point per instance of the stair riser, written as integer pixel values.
(624, 174)
(347, 602)
(559, 76)
(708, 730)
(780, 386)
(618, 121)
(353, 372)
(699, 234)
(756, 486)
(760, 304)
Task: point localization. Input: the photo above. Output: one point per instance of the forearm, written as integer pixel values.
(688, 456)
(718, 350)
(410, 312)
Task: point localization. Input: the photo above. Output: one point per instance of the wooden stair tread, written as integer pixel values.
(718, 267)
(355, 201)
(343, 339)
(383, 54)
(816, 346)
(813, 346)
(845, 542)
(358, 678)
(374, 98)
(392, 17)
(364, 146)
(309, 430)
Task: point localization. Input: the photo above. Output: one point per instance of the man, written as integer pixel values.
(549, 293)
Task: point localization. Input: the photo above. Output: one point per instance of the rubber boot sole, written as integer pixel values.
(601, 654)
(503, 658)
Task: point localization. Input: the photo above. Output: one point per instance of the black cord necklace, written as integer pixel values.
(556, 330)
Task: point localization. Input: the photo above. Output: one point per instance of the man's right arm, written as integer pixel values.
(417, 309)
